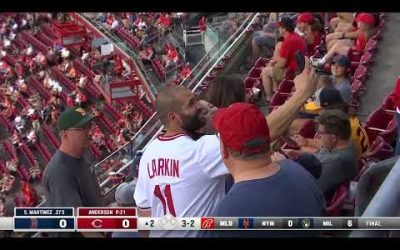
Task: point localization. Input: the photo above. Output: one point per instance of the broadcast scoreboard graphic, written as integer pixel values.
(105, 219)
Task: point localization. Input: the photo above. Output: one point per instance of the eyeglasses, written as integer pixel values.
(319, 132)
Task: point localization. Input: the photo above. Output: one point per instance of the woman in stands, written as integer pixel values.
(226, 90)
(356, 40)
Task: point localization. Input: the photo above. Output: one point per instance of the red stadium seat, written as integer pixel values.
(388, 104)
(24, 174)
(277, 100)
(255, 72)
(357, 88)
(3, 168)
(289, 74)
(7, 123)
(286, 86)
(261, 62)
(308, 129)
(379, 151)
(381, 123)
(361, 73)
(9, 149)
(95, 150)
(335, 205)
(41, 36)
(64, 80)
(250, 82)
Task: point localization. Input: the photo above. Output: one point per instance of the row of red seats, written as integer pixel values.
(95, 150)
(64, 80)
(41, 36)
(49, 134)
(108, 124)
(48, 31)
(6, 123)
(132, 40)
(3, 168)
(44, 151)
(39, 87)
(10, 60)
(20, 42)
(23, 173)
(159, 68)
(9, 150)
(90, 74)
(34, 41)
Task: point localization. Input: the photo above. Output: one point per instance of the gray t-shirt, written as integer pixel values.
(338, 166)
(69, 182)
(344, 88)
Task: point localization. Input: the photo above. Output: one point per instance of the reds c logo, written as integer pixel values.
(207, 223)
(97, 223)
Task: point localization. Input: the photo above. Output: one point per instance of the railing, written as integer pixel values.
(208, 61)
(153, 126)
(123, 46)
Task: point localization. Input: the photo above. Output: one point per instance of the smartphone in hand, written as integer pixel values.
(301, 62)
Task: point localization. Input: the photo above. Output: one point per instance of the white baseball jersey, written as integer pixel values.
(181, 177)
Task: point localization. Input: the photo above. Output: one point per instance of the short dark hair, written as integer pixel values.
(225, 90)
(166, 101)
(343, 106)
(336, 122)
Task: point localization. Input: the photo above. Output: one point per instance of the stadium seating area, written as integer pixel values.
(40, 79)
(380, 125)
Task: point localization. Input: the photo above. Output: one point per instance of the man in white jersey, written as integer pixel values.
(181, 177)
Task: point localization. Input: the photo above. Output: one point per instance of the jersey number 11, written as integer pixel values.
(166, 199)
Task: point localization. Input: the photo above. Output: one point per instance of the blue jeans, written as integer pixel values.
(397, 150)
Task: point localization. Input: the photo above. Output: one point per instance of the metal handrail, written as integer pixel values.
(128, 52)
(238, 39)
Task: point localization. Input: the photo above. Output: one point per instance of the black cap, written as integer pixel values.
(287, 23)
(330, 96)
(341, 60)
(310, 163)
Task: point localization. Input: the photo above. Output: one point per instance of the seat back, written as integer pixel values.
(380, 150)
(277, 100)
(335, 205)
(308, 129)
(377, 122)
(286, 86)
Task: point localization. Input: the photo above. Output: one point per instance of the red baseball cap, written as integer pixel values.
(242, 127)
(306, 17)
(365, 18)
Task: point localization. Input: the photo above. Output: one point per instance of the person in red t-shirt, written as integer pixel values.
(148, 53)
(202, 24)
(284, 60)
(365, 29)
(309, 28)
(171, 57)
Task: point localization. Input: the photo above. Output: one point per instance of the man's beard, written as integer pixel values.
(192, 123)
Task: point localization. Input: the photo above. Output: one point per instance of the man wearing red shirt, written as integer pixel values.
(285, 60)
